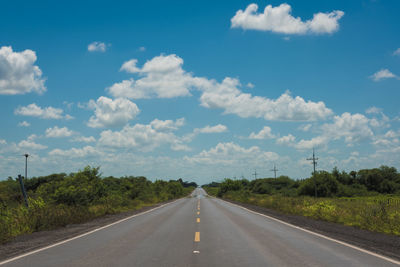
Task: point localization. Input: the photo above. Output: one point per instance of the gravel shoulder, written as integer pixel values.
(25, 243)
(384, 244)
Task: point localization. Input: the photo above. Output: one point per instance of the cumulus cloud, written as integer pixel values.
(279, 20)
(76, 152)
(34, 110)
(219, 128)
(160, 77)
(84, 139)
(24, 124)
(286, 140)
(227, 96)
(18, 74)
(56, 132)
(163, 77)
(305, 127)
(397, 52)
(29, 144)
(382, 75)
(233, 154)
(97, 47)
(144, 137)
(265, 133)
(111, 113)
(167, 125)
(353, 128)
(373, 110)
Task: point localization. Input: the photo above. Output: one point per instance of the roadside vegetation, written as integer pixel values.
(60, 199)
(367, 199)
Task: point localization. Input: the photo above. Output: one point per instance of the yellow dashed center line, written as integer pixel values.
(198, 220)
(198, 213)
(197, 237)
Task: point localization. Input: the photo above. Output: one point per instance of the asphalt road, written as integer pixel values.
(200, 231)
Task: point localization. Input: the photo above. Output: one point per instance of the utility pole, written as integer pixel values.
(255, 174)
(26, 165)
(21, 183)
(314, 162)
(274, 170)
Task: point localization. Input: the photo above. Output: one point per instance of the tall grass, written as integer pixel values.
(377, 213)
(18, 220)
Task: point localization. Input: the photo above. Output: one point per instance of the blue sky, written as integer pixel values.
(199, 90)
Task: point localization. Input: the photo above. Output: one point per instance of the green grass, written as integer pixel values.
(18, 220)
(377, 213)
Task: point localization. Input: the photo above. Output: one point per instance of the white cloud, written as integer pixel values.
(265, 133)
(34, 110)
(383, 74)
(84, 139)
(373, 110)
(130, 66)
(234, 155)
(286, 140)
(3, 142)
(28, 144)
(219, 128)
(56, 132)
(161, 77)
(97, 47)
(111, 113)
(279, 20)
(396, 52)
(227, 96)
(76, 152)
(142, 49)
(313, 143)
(352, 127)
(24, 124)
(144, 137)
(250, 85)
(18, 74)
(167, 125)
(305, 127)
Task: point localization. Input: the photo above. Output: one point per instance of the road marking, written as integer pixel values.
(197, 237)
(85, 234)
(196, 252)
(198, 208)
(320, 235)
(198, 213)
(198, 220)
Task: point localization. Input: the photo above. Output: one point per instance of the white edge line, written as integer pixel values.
(319, 235)
(84, 234)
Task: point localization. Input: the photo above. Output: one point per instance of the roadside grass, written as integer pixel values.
(373, 213)
(42, 215)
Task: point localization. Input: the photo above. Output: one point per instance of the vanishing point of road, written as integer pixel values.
(200, 231)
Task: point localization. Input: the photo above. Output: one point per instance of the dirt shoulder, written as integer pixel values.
(25, 243)
(384, 244)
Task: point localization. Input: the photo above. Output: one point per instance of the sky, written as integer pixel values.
(199, 90)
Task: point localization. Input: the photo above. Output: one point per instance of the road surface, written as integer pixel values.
(200, 231)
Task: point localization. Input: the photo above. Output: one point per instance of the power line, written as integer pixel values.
(255, 174)
(314, 162)
(274, 170)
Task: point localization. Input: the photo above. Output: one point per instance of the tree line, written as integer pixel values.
(60, 199)
(382, 180)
